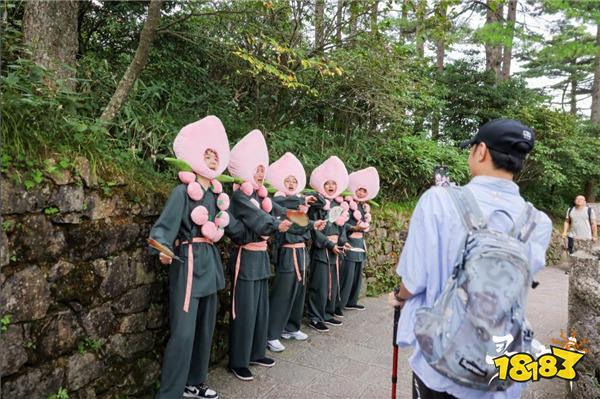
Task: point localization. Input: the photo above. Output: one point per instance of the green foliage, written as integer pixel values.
(62, 393)
(7, 225)
(5, 321)
(89, 344)
(50, 211)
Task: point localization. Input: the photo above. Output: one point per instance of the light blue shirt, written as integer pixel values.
(434, 240)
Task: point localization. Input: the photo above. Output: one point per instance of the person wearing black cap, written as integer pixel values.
(496, 153)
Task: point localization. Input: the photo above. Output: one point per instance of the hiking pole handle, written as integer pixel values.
(396, 319)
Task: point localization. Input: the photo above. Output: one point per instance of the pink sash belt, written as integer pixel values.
(333, 238)
(252, 246)
(190, 269)
(295, 257)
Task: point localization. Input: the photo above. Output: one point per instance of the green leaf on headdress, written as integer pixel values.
(179, 164)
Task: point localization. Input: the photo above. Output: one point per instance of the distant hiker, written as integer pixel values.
(580, 223)
(193, 219)
(489, 204)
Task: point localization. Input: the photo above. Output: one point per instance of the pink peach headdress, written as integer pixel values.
(367, 179)
(247, 155)
(194, 139)
(287, 165)
(332, 169)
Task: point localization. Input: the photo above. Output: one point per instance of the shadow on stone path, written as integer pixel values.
(354, 360)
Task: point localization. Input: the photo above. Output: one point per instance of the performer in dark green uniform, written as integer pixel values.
(364, 185)
(249, 261)
(193, 219)
(329, 179)
(286, 303)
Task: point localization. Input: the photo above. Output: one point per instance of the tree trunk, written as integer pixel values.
(573, 95)
(595, 118)
(319, 25)
(374, 11)
(590, 190)
(50, 30)
(493, 52)
(511, 17)
(137, 64)
(440, 52)
(420, 35)
(353, 17)
(339, 18)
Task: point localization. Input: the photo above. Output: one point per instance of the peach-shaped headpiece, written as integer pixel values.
(247, 155)
(194, 139)
(287, 165)
(368, 179)
(332, 169)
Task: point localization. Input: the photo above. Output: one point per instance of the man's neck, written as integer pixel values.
(204, 182)
(580, 206)
(498, 173)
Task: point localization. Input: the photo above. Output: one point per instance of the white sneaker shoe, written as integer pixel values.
(297, 335)
(275, 346)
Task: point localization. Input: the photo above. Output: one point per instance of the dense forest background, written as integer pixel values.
(370, 81)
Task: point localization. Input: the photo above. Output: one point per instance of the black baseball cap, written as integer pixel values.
(502, 135)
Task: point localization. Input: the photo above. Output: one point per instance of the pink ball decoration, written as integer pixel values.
(255, 202)
(216, 186)
(199, 215)
(303, 208)
(223, 202)
(349, 198)
(262, 192)
(340, 220)
(368, 217)
(327, 205)
(195, 192)
(339, 199)
(219, 234)
(344, 205)
(267, 205)
(357, 215)
(247, 188)
(222, 219)
(367, 207)
(279, 194)
(186, 177)
(209, 230)
(353, 205)
(236, 186)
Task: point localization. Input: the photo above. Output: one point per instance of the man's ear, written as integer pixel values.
(481, 152)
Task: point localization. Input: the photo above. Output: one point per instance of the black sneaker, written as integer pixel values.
(333, 322)
(354, 307)
(200, 391)
(338, 313)
(265, 362)
(317, 325)
(242, 373)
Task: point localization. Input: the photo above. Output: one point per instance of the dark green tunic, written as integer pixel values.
(322, 302)
(187, 353)
(352, 268)
(286, 302)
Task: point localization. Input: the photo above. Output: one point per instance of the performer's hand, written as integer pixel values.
(594, 239)
(284, 226)
(311, 199)
(320, 224)
(360, 228)
(347, 246)
(336, 250)
(394, 301)
(165, 259)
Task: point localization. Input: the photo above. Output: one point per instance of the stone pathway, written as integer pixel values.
(354, 360)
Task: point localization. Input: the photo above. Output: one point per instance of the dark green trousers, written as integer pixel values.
(286, 304)
(356, 284)
(320, 306)
(187, 354)
(248, 331)
(350, 281)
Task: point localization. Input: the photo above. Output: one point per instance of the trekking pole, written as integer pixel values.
(395, 358)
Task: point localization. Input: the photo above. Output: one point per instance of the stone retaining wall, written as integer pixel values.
(584, 315)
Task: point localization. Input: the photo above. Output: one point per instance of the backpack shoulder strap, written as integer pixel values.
(525, 223)
(467, 207)
(569, 213)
